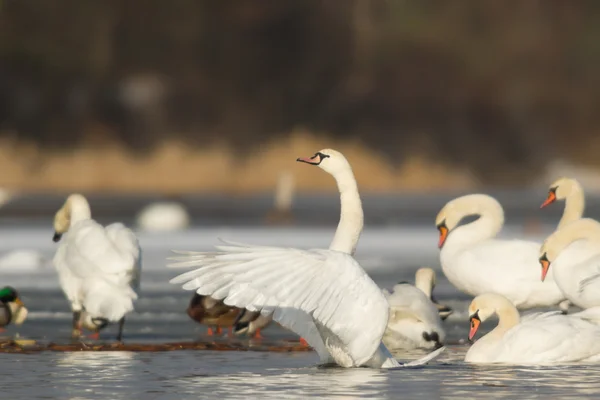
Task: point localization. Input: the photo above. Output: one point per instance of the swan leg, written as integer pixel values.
(120, 334)
(76, 331)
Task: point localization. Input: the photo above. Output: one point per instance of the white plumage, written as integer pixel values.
(476, 263)
(99, 267)
(322, 295)
(540, 338)
(414, 320)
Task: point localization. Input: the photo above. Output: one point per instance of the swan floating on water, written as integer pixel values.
(322, 295)
(98, 267)
(539, 338)
(475, 262)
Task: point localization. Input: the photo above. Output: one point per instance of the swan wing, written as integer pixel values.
(126, 243)
(328, 285)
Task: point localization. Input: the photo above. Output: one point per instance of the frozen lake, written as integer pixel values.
(389, 254)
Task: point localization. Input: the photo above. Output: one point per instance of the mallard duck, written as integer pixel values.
(12, 309)
(98, 267)
(216, 314)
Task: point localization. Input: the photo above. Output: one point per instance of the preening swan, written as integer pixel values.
(98, 267)
(571, 192)
(539, 338)
(475, 262)
(414, 320)
(322, 295)
(574, 253)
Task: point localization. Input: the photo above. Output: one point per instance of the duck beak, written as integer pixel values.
(551, 199)
(475, 322)
(443, 235)
(545, 267)
(19, 302)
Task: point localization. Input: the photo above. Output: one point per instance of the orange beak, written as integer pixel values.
(545, 268)
(443, 235)
(309, 160)
(19, 302)
(551, 199)
(475, 322)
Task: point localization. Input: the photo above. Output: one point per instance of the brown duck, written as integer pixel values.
(216, 314)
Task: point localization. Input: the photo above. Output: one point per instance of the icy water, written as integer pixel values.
(389, 254)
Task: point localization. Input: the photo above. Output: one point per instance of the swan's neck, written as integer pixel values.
(424, 286)
(351, 214)
(574, 206)
(507, 319)
(79, 209)
(487, 226)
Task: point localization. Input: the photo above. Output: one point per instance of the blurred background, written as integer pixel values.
(201, 96)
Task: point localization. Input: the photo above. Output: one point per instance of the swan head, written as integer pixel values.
(328, 160)
(75, 204)
(94, 324)
(483, 307)
(560, 189)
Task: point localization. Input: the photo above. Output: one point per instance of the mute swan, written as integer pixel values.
(575, 265)
(163, 217)
(12, 309)
(476, 263)
(322, 295)
(98, 267)
(571, 192)
(539, 338)
(414, 320)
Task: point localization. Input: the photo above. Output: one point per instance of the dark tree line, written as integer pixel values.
(497, 85)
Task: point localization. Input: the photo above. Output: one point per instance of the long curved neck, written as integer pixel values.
(79, 209)
(581, 229)
(487, 226)
(351, 214)
(508, 317)
(574, 205)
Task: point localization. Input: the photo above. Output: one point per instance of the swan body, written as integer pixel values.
(322, 295)
(574, 254)
(540, 338)
(163, 217)
(98, 267)
(414, 320)
(475, 262)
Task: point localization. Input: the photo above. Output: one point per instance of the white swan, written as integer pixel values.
(322, 295)
(571, 192)
(574, 253)
(98, 267)
(476, 263)
(414, 320)
(163, 217)
(18, 261)
(539, 338)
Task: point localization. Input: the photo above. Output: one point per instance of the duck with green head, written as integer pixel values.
(12, 309)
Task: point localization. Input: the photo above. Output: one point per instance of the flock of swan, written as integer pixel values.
(325, 296)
